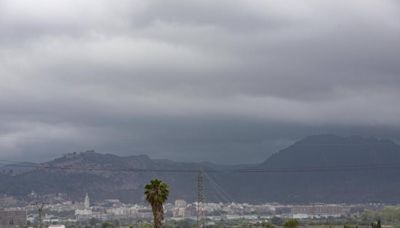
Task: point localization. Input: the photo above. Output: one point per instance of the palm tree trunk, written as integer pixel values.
(158, 214)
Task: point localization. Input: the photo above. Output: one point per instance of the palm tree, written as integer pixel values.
(156, 194)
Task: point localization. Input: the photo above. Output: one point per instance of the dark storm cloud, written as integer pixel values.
(229, 81)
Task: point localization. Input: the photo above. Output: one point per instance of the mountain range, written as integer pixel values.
(321, 168)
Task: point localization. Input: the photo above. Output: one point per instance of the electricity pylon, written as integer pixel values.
(200, 200)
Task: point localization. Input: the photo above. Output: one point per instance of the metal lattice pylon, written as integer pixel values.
(200, 200)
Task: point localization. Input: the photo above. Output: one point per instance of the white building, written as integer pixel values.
(56, 226)
(180, 203)
(87, 202)
(86, 211)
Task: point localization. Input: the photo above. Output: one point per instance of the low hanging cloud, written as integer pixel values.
(224, 81)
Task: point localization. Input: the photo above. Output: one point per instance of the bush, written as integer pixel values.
(291, 223)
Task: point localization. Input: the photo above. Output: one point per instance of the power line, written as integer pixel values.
(337, 168)
(218, 189)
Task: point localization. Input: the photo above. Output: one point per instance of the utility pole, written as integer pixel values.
(40, 206)
(200, 200)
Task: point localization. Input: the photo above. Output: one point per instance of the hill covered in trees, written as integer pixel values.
(323, 168)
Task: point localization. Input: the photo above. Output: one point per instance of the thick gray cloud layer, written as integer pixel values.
(225, 81)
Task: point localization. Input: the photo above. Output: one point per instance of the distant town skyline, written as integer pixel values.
(222, 81)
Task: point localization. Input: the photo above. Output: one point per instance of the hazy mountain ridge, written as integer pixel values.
(76, 173)
(323, 150)
(336, 169)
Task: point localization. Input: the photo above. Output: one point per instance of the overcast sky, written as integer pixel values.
(191, 80)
